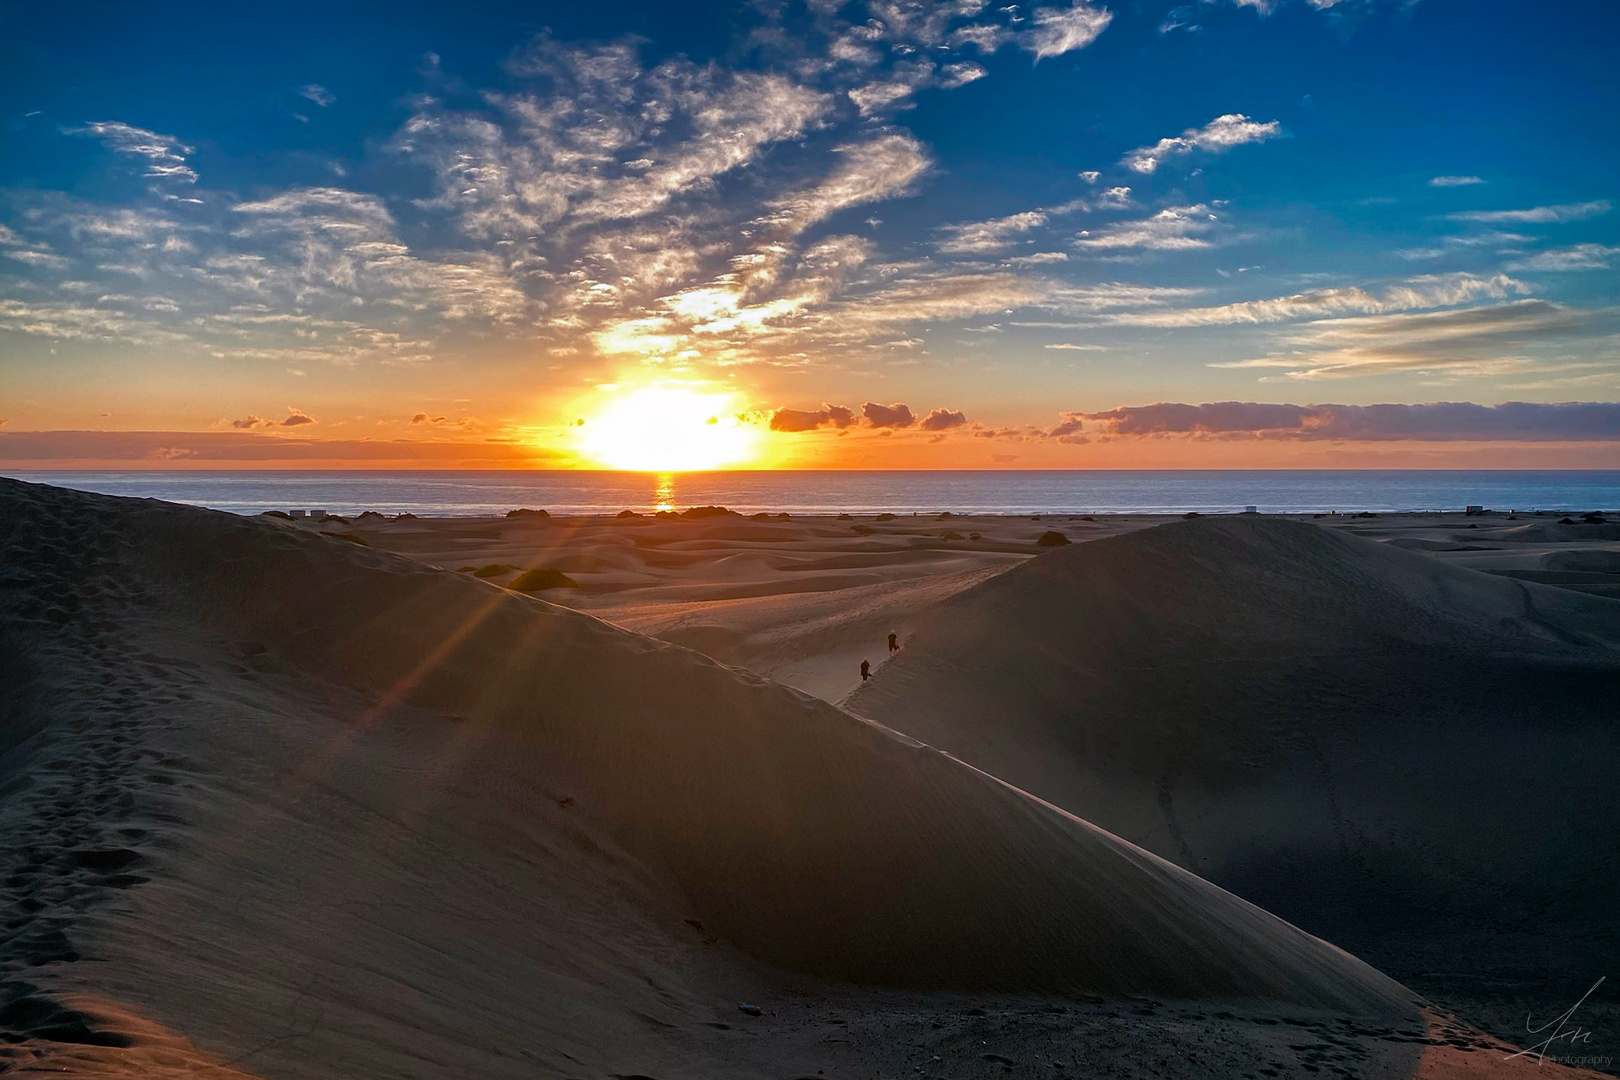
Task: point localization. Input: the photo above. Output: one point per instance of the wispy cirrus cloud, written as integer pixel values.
(1175, 228)
(1536, 215)
(1575, 257)
(1454, 181)
(1219, 135)
(1475, 342)
(165, 156)
(1444, 421)
(317, 93)
(985, 237)
(1426, 291)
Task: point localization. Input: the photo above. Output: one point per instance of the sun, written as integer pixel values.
(669, 429)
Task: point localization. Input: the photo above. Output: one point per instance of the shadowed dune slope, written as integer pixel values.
(810, 839)
(1366, 740)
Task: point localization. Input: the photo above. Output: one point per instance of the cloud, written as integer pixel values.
(317, 93)
(887, 416)
(1454, 181)
(1175, 228)
(1578, 257)
(1217, 136)
(1075, 347)
(942, 419)
(983, 237)
(1061, 30)
(1053, 31)
(1468, 343)
(165, 155)
(1039, 258)
(1494, 238)
(1537, 215)
(1427, 291)
(1513, 421)
(296, 418)
(801, 420)
(881, 168)
(424, 418)
(35, 449)
(250, 422)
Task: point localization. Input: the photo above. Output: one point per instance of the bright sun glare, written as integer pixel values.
(669, 429)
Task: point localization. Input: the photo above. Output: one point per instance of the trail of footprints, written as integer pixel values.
(77, 828)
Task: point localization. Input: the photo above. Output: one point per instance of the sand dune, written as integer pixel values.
(289, 782)
(277, 804)
(1408, 757)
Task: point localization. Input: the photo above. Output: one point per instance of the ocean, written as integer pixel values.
(463, 494)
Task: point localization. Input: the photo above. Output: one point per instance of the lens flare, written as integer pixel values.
(669, 429)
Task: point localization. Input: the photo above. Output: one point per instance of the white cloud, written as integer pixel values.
(165, 155)
(1428, 291)
(1053, 31)
(317, 93)
(1061, 30)
(1476, 342)
(1537, 215)
(983, 237)
(1220, 134)
(1577, 257)
(1454, 181)
(1176, 228)
(1452, 243)
(881, 168)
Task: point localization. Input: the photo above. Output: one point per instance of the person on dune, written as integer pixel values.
(894, 643)
(866, 670)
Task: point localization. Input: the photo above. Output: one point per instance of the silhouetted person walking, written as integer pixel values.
(866, 670)
(894, 642)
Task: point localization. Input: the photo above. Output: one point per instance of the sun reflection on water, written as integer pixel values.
(664, 492)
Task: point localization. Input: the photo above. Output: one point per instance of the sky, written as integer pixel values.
(804, 233)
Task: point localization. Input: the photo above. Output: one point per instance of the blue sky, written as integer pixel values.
(469, 224)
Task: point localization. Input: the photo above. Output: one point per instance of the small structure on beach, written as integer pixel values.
(297, 513)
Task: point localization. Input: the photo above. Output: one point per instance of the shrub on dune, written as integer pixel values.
(493, 570)
(1051, 538)
(540, 579)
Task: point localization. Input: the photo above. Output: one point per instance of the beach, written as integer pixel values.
(1132, 795)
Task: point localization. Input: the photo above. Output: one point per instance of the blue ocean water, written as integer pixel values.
(460, 494)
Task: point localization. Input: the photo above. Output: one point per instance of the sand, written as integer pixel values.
(275, 803)
(1411, 758)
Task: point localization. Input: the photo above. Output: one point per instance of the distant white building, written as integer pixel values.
(318, 515)
(1251, 509)
(297, 513)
